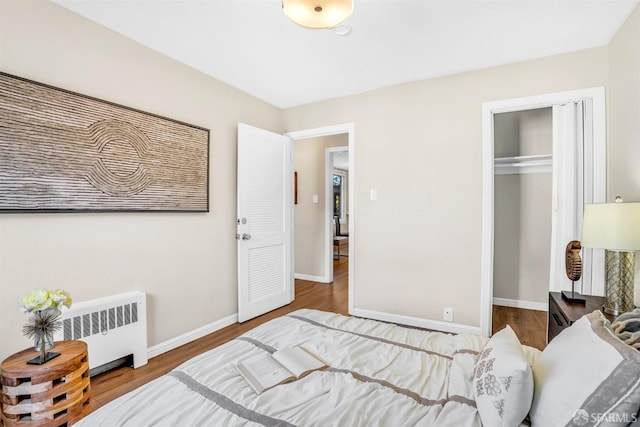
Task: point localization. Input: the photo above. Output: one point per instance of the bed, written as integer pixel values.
(379, 374)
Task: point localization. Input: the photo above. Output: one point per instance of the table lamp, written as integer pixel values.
(615, 227)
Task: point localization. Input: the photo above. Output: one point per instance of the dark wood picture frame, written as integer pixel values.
(67, 152)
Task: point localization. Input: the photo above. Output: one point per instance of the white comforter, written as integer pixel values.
(379, 374)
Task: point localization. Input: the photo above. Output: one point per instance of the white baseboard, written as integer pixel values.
(516, 303)
(307, 277)
(186, 338)
(437, 325)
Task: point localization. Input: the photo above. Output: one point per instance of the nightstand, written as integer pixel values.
(563, 314)
(55, 393)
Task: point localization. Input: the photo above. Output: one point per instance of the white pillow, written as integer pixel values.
(586, 376)
(531, 354)
(503, 381)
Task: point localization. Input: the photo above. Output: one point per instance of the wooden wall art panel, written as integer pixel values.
(62, 151)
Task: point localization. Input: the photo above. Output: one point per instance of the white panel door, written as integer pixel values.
(265, 221)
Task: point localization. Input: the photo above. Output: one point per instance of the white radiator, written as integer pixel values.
(113, 327)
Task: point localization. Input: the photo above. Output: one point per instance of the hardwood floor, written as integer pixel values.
(529, 325)
(322, 296)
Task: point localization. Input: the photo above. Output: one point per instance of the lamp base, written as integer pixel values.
(619, 267)
(571, 296)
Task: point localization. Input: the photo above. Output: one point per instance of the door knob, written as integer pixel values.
(246, 236)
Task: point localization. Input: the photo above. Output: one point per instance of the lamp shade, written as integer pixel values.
(317, 14)
(612, 226)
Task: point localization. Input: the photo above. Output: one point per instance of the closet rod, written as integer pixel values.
(540, 163)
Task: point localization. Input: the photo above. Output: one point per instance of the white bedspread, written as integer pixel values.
(379, 375)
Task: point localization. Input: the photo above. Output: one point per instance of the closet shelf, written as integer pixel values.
(541, 163)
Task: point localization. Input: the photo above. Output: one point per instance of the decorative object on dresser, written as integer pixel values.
(563, 314)
(44, 306)
(573, 266)
(54, 394)
(65, 152)
(615, 227)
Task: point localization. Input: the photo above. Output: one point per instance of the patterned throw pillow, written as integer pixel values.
(503, 381)
(627, 328)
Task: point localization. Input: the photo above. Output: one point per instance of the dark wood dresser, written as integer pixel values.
(563, 314)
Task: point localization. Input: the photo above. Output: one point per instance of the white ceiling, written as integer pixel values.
(251, 45)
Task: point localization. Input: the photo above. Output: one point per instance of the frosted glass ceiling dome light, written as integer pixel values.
(317, 14)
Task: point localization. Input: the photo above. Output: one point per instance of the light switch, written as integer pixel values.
(315, 198)
(373, 194)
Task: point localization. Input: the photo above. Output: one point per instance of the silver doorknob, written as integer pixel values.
(246, 236)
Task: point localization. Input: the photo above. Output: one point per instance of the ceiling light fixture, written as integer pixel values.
(317, 14)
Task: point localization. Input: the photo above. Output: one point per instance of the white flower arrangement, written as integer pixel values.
(44, 306)
(44, 299)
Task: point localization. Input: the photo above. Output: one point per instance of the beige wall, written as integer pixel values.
(310, 257)
(522, 244)
(623, 148)
(522, 209)
(624, 112)
(523, 133)
(417, 248)
(186, 262)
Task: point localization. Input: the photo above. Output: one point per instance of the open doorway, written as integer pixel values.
(315, 211)
(578, 162)
(522, 208)
(337, 202)
(314, 172)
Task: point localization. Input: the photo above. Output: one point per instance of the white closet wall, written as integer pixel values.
(522, 206)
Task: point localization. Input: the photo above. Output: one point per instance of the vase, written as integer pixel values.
(43, 323)
(48, 343)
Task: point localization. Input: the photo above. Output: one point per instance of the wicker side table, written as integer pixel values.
(53, 394)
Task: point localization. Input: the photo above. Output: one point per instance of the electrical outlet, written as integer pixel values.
(448, 314)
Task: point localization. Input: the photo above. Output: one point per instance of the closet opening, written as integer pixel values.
(577, 162)
(523, 143)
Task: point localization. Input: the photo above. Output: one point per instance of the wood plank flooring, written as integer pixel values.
(529, 325)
